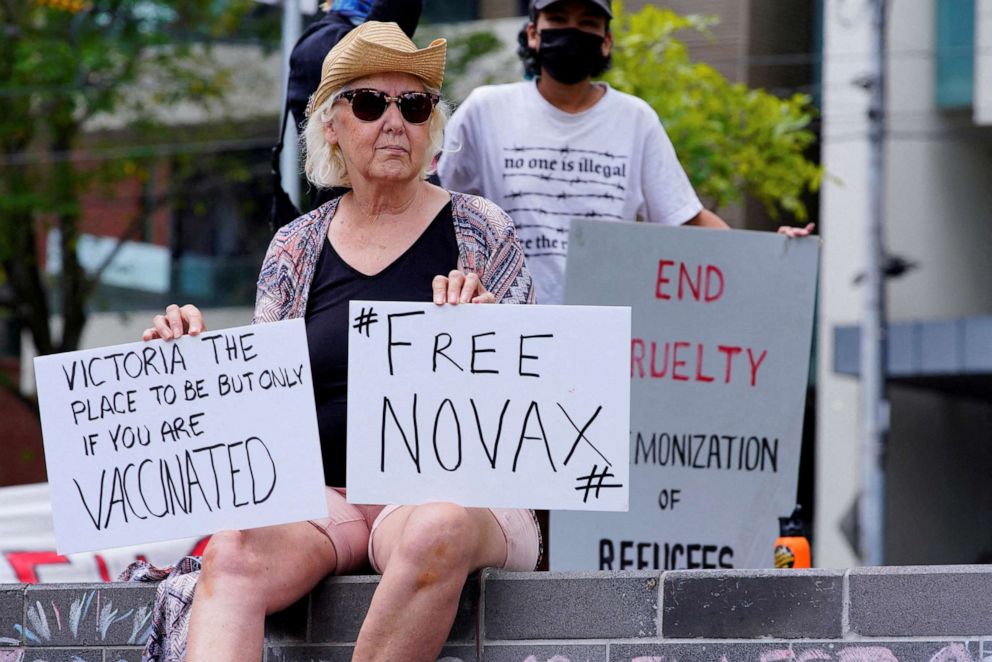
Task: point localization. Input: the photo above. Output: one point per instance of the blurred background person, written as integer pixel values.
(340, 17)
(564, 146)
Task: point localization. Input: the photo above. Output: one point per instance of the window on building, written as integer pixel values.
(219, 229)
(955, 54)
(453, 11)
(450, 11)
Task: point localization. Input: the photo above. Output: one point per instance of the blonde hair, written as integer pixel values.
(324, 165)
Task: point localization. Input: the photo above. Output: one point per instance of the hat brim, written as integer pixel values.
(367, 59)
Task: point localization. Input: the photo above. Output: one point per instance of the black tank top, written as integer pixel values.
(335, 283)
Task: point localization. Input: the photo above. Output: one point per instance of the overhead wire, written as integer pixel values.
(838, 118)
(752, 60)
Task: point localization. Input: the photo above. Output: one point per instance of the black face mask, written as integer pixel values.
(570, 55)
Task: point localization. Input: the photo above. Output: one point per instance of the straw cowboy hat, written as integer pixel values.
(374, 48)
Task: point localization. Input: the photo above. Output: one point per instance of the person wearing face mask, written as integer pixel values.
(563, 146)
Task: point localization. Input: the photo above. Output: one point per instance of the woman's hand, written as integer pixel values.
(176, 322)
(790, 231)
(458, 287)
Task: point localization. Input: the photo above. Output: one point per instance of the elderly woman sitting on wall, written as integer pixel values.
(374, 124)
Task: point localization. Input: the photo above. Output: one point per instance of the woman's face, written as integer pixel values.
(387, 149)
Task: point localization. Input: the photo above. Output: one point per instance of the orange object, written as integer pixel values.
(791, 546)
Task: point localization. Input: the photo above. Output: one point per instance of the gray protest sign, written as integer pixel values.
(720, 351)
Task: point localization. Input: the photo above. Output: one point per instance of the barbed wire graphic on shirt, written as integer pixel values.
(566, 180)
(565, 196)
(565, 150)
(546, 254)
(572, 214)
(541, 226)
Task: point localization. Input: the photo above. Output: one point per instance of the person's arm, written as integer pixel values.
(503, 278)
(668, 192)
(273, 290)
(406, 13)
(669, 198)
(707, 219)
(790, 231)
(506, 268)
(490, 249)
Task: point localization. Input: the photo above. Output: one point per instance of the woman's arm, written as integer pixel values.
(506, 274)
(270, 296)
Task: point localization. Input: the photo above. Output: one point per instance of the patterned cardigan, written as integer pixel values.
(487, 246)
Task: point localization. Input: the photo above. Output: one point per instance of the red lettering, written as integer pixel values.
(707, 286)
(700, 377)
(685, 278)
(730, 351)
(25, 564)
(676, 362)
(655, 373)
(200, 547)
(712, 270)
(671, 359)
(754, 366)
(637, 356)
(101, 567)
(662, 280)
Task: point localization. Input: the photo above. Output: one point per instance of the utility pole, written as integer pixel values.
(292, 26)
(875, 414)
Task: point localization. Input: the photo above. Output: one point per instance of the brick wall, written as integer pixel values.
(859, 615)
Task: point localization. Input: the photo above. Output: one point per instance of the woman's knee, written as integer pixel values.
(229, 558)
(439, 535)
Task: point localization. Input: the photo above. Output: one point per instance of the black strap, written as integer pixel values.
(277, 150)
(282, 210)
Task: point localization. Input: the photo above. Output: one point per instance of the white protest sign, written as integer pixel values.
(722, 325)
(169, 439)
(499, 406)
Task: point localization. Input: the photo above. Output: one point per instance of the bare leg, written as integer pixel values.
(426, 553)
(246, 575)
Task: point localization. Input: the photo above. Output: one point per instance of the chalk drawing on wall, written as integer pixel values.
(41, 626)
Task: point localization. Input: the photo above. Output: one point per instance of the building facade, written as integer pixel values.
(938, 218)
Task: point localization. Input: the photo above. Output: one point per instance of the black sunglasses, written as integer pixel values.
(368, 105)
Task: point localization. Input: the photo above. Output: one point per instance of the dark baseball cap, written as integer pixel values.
(604, 5)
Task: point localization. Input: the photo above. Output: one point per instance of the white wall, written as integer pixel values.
(843, 209)
(938, 213)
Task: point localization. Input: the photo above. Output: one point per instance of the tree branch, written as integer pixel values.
(66, 196)
(31, 300)
(132, 228)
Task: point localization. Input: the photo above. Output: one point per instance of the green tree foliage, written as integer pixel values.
(64, 64)
(732, 140)
(464, 49)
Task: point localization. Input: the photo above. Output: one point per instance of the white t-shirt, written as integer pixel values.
(545, 167)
